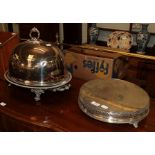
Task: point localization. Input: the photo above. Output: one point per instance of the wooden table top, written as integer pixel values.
(59, 111)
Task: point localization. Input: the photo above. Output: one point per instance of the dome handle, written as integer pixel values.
(34, 29)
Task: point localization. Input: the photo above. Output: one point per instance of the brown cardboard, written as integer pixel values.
(89, 64)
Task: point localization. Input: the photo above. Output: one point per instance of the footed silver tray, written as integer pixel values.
(114, 101)
(40, 88)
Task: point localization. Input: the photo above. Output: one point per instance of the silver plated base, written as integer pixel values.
(111, 117)
(114, 101)
(38, 90)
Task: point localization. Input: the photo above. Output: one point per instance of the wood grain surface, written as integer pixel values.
(57, 111)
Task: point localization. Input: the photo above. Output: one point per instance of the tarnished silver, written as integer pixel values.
(37, 64)
(114, 101)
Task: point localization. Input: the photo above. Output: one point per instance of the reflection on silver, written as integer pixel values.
(110, 119)
(43, 63)
(35, 63)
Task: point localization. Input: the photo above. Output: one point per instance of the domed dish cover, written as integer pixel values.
(114, 101)
(37, 64)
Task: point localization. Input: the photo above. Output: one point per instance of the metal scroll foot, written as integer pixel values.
(135, 124)
(38, 92)
(62, 88)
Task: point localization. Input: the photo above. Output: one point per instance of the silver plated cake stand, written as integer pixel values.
(114, 101)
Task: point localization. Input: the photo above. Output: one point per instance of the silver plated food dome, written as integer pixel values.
(38, 65)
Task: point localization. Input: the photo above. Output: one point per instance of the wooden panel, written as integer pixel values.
(142, 72)
(2, 67)
(7, 124)
(8, 42)
(73, 33)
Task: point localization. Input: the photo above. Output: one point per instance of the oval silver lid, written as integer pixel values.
(36, 63)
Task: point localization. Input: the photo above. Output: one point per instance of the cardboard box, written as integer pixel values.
(89, 64)
(8, 41)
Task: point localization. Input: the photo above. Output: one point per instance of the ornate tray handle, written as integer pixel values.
(34, 29)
